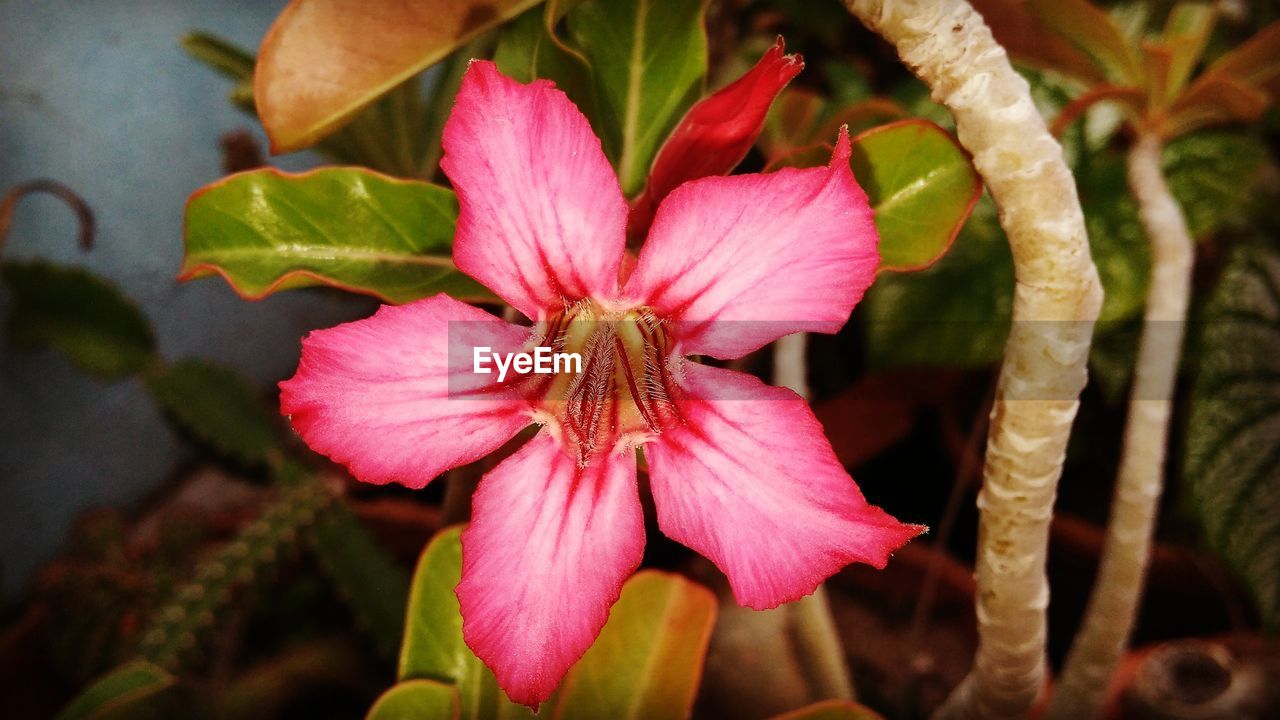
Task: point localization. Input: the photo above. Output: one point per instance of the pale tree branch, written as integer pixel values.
(1109, 619)
(1056, 301)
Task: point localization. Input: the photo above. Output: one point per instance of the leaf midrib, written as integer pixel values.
(920, 185)
(631, 119)
(327, 253)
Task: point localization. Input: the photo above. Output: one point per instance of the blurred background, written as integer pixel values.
(100, 97)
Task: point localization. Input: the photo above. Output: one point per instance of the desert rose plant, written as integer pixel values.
(592, 228)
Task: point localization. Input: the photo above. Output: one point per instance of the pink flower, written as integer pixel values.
(741, 472)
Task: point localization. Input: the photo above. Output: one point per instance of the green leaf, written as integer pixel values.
(433, 647)
(118, 692)
(416, 700)
(955, 313)
(648, 59)
(1120, 248)
(1232, 464)
(367, 578)
(831, 710)
(527, 51)
(344, 227)
(1205, 171)
(648, 659)
(218, 407)
(1208, 172)
(85, 317)
(922, 186)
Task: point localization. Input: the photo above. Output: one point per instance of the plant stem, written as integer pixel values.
(1109, 618)
(1056, 301)
(809, 618)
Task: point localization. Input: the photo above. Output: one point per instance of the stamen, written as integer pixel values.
(625, 390)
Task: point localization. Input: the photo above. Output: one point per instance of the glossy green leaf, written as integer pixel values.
(80, 314)
(433, 647)
(1091, 30)
(831, 710)
(369, 580)
(118, 692)
(954, 313)
(922, 187)
(349, 228)
(957, 312)
(648, 659)
(526, 51)
(1232, 465)
(218, 407)
(647, 59)
(416, 700)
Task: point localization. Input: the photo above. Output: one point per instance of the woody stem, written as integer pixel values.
(1109, 619)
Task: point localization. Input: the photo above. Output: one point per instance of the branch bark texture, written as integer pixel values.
(1109, 618)
(1056, 301)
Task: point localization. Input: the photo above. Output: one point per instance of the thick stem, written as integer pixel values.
(1056, 301)
(809, 618)
(1109, 619)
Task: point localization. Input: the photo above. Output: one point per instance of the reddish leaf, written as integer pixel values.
(1030, 41)
(1131, 99)
(323, 60)
(1091, 30)
(1214, 99)
(790, 122)
(1257, 61)
(716, 133)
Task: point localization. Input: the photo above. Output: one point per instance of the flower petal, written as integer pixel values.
(750, 482)
(741, 261)
(716, 133)
(544, 558)
(393, 397)
(542, 219)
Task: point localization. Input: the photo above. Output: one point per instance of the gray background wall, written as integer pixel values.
(97, 95)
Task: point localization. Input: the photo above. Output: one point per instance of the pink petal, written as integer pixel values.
(750, 482)
(741, 261)
(542, 220)
(393, 397)
(544, 559)
(716, 133)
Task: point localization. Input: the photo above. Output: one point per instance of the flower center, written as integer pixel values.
(624, 392)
